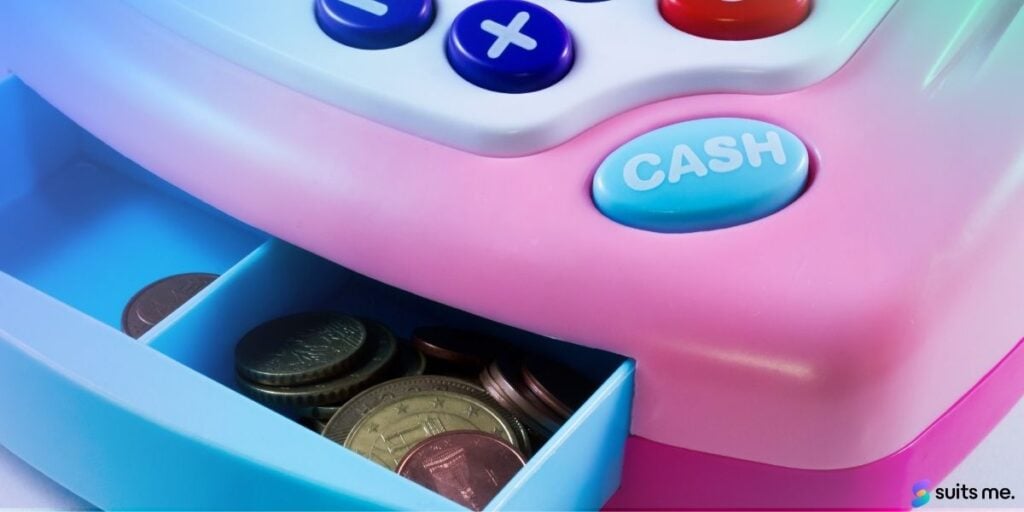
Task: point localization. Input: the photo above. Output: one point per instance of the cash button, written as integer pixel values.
(374, 24)
(510, 46)
(701, 175)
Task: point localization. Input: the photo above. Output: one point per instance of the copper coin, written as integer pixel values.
(492, 388)
(461, 348)
(301, 349)
(157, 301)
(501, 381)
(467, 467)
(536, 433)
(561, 388)
(527, 428)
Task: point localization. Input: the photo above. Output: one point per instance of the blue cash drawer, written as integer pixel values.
(156, 422)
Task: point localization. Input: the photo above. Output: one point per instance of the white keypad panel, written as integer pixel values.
(627, 55)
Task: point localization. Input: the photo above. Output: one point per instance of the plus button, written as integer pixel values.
(512, 46)
(508, 34)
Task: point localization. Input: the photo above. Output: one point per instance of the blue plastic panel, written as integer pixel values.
(86, 226)
(155, 423)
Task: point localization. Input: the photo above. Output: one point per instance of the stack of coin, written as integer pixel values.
(409, 362)
(313, 359)
(543, 394)
(561, 388)
(353, 381)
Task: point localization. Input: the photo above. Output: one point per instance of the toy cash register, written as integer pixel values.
(785, 236)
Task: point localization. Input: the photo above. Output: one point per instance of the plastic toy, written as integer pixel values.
(802, 232)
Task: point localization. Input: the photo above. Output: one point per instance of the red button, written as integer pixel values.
(734, 20)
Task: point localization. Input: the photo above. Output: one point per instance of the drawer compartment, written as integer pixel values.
(87, 226)
(157, 422)
(577, 468)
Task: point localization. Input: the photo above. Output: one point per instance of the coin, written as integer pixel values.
(561, 388)
(500, 381)
(466, 350)
(158, 300)
(349, 415)
(467, 467)
(388, 431)
(410, 362)
(323, 412)
(383, 347)
(300, 349)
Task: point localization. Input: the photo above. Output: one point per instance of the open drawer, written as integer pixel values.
(157, 422)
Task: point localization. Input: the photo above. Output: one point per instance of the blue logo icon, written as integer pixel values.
(922, 493)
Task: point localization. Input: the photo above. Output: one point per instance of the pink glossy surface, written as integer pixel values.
(825, 336)
(657, 476)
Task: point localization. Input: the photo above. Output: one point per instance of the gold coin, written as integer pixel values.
(345, 418)
(389, 430)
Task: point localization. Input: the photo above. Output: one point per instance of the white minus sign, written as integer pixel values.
(370, 6)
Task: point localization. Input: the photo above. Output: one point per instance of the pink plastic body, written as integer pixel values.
(657, 476)
(826, 336)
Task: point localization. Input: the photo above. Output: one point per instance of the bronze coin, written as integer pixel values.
(491, 387)
(561, 388)
(502, 381)
(467, 467)
(158, 300)
(460, 348)
(537, 434)
(383, 348)
(301, 349)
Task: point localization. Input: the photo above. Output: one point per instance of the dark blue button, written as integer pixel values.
(510, 46)
(374, 24)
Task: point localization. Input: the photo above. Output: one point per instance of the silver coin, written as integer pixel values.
(383, 349)
(301, 349)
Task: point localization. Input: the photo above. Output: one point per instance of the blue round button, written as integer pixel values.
(374, 24)
(510, 46)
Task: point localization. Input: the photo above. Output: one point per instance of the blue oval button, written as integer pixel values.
(374, 24)
(701, 175)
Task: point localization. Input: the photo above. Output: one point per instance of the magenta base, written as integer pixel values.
(657, 476)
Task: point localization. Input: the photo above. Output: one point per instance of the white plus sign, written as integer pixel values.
(507, 35)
